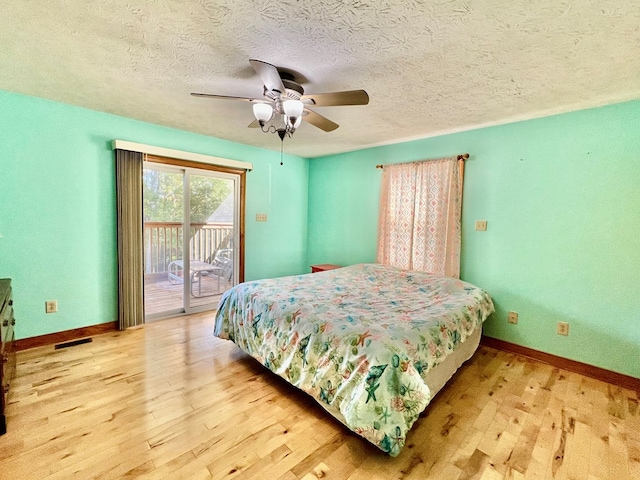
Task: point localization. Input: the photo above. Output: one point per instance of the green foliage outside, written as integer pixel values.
(163, 199)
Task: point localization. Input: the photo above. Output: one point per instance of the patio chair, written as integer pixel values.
(223, 259)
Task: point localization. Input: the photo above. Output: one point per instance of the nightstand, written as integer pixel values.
(323, 267)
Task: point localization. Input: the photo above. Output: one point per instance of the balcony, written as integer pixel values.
(163, 244)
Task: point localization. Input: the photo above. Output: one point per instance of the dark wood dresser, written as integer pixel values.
(7, 351)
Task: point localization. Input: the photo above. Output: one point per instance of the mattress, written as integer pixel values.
(439, 375)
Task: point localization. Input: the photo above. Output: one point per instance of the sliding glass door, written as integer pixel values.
(191, 220)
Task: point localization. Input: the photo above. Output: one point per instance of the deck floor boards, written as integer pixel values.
(164, 296)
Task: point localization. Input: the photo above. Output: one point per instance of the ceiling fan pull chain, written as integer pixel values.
(281, 133)
(281, 149)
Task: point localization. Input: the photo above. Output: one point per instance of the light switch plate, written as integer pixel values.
(481, 225)
(261, 217)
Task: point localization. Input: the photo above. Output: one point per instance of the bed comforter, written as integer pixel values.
(359, 339)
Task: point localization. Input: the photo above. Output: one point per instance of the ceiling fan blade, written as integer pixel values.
(254, 124)
(269, 75)
(350, 97)
(317, 120)
(226, 97)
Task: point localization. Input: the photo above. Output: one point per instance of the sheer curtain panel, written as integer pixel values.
(420, 216)
(130, 238)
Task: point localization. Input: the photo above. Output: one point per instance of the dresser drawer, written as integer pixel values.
(8, 358)
(7, 345)
(6, 321)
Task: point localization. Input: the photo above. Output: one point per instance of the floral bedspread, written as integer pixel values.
(358, 339)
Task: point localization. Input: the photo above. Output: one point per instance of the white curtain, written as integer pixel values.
(420, 216)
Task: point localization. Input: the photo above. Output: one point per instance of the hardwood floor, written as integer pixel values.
(171, 401)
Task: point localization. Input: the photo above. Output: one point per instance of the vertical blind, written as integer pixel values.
(130, 238)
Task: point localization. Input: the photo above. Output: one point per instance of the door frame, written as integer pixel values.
(241, 173)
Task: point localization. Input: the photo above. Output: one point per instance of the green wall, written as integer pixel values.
(57, 198)
(561, 196)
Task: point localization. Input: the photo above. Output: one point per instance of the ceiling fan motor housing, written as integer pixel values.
(293, 91)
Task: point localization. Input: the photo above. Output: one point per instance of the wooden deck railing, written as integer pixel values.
(163, 243)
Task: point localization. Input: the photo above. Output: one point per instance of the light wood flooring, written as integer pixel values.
(171, 401)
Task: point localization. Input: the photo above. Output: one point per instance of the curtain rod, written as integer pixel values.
(464, 156)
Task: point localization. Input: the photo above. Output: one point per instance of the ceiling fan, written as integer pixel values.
(284, 103)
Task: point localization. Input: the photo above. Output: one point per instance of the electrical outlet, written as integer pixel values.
(512, 317)
(51, 306)
(261, 217)
(563, 328)
(481, 225)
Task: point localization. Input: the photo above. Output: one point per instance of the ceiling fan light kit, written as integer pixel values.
(293, 110)
(285, 104)
(290, 112)
(263, 112)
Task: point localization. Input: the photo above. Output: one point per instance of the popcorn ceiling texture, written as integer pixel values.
(428, 66)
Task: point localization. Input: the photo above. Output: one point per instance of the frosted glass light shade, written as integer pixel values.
(293, 108)
(263, 112)
(294, 125)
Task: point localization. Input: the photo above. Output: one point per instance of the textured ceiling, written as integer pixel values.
(428, 66)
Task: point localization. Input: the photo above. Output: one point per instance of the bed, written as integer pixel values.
(371, 344)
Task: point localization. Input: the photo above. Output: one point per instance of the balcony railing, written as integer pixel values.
(163, 243)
